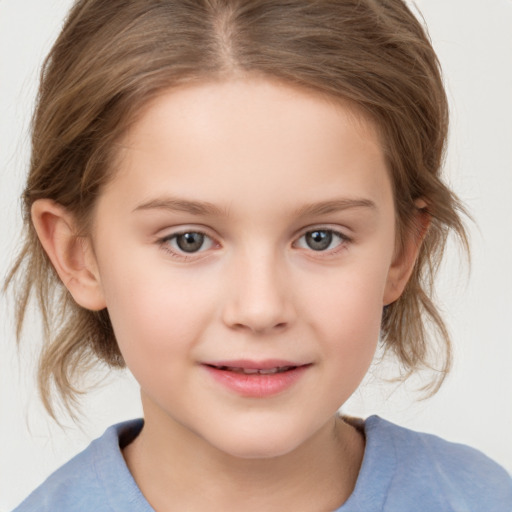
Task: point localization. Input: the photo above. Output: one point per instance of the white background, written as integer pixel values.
(474, 41)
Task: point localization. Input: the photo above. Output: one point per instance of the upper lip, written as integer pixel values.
(247, 364)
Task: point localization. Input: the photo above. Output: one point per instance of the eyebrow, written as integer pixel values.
(205, 208)
(182, 205)
(333, 205)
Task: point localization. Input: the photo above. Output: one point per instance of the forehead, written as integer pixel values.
(251, 139)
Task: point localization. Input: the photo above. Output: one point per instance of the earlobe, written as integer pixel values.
(71, 256)
(403, 265)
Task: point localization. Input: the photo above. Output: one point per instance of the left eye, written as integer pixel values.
(321, 239)
(189, 242)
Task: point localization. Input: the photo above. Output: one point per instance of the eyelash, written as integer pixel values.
(165, 245)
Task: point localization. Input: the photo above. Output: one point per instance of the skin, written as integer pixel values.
(260, 152)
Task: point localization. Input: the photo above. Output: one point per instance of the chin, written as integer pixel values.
(259, 445)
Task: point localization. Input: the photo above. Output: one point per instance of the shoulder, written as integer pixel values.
(425, 465)
(92, 480)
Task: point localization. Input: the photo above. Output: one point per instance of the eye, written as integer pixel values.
(321, 239)
(188, 242)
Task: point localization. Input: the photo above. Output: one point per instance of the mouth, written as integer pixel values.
(253, 371)
(256, 379)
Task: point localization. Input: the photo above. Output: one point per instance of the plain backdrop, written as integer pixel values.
(473, 39)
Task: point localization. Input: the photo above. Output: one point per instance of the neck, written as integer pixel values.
(176, 470)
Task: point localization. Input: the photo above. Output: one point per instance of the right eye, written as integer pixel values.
(186, 242)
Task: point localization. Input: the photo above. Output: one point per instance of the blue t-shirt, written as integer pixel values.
(402, 471)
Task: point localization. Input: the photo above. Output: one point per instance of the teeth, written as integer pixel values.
(269, 371)
(254, 371)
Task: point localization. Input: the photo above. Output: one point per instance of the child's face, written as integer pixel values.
(288, 262)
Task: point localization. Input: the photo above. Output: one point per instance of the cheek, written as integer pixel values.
(156, 313)
(353, 333)
(347, 311)
(352, 328)
(352, 294)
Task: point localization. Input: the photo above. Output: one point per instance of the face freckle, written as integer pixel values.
(257, 329)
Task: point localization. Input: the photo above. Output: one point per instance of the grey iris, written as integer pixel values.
(190, 242)
(319, 240)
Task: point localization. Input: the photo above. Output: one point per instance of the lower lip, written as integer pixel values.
(257, 385)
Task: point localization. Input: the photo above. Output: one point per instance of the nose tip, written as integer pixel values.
(256, 314)
(259, 327)
(259, 301)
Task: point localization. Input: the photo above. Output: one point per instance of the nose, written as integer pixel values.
(259, 298)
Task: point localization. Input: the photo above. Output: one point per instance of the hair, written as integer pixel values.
(112, 57)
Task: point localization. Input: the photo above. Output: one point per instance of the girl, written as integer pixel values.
(237, 200)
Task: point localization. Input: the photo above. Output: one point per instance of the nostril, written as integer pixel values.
(257, 313)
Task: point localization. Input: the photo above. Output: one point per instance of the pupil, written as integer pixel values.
(319, 240)
(190, 242)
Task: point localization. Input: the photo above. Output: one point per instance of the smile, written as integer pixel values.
(254, 371)
(256, 380)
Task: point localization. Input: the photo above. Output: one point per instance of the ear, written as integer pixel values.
(403, 263)
(71, 256)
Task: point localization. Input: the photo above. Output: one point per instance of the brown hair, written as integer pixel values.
(113, 56)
